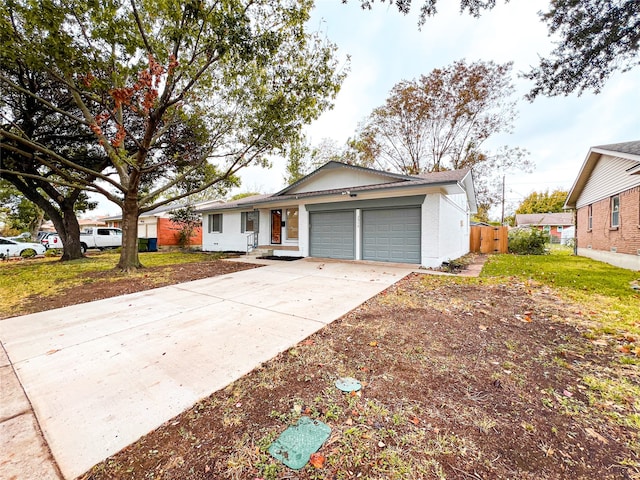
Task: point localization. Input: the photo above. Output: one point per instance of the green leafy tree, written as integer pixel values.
(441, 122)
(543, 202)
(187, 221)
(240, 196)
(19, 215)
(167, 89)
(596, 39)
(30, 170)
(303, 157)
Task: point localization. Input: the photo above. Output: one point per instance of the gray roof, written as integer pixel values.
(399, 181)
(632, 148)
(544, 219)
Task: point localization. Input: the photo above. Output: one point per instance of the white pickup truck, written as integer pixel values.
(100, 238)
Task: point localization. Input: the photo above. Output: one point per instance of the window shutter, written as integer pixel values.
(243, 221)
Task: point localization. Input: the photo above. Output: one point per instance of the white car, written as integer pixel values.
(51, 240)
(12, 248)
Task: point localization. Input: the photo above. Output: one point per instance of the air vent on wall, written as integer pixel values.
(614, 249)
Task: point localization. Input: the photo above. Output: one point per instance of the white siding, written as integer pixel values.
(431, 230)
(340, 178)
(231, 239)
(608, 178)
(445, 229)
(454, 230)
(148, 227)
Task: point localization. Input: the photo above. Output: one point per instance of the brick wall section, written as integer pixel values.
(168, 234)
(626, 239)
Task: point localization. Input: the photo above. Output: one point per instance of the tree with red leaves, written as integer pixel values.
(177, 95)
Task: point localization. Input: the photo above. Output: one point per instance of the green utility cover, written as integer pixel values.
(348, 384)
(295, 445)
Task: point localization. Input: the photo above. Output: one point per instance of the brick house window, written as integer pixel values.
(590, 217)
(615, 211)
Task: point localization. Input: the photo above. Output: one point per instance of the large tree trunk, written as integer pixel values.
(70, 234)
(129, 259)
(63, 218)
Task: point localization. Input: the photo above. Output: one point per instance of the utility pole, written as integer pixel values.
(502, 218)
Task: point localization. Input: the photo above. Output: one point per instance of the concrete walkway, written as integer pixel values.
(99, 375)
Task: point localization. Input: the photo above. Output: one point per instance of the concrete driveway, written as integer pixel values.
(102, 374)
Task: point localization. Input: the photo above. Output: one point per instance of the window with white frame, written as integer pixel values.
(615, 211)
(292, 223)
(215, 223)
(249, 222)
(590, 217)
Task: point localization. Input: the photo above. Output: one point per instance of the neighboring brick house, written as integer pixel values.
(606, 195)
(157, 224)
(554, 224)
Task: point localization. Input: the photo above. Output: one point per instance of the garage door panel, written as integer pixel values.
(333, 234)
(391, 235)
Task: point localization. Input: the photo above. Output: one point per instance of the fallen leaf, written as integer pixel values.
(381, 444)
(317, 460)
(414, 420)
(483, 328)
(600, 342)
(349, 421)
(567, 393)
(373, 344)
(624, 349)
(592, 433)
(51, 352)
(307, 342)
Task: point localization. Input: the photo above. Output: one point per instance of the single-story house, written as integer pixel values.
(348, 212)
(554, 224)
(82, 222)
(606, 196)
(157, 223)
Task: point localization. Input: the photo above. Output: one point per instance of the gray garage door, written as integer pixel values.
(391, 235)
(333, 234)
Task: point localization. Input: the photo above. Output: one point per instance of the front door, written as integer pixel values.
(276, 227)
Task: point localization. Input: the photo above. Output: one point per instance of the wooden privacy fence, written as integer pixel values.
(489, 239)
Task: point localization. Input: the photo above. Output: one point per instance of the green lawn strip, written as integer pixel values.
(48, 276)
(603, 291)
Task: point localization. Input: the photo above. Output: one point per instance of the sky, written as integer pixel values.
(386, 47)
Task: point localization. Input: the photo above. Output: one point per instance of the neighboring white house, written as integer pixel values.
(347, 212)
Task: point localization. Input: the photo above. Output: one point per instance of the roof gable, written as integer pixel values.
(336, 175)
(392, 184)
(607, 169)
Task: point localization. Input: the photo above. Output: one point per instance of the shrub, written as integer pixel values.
(527, 241)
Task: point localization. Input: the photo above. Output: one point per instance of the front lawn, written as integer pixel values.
(604, 291)
(26, 283)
